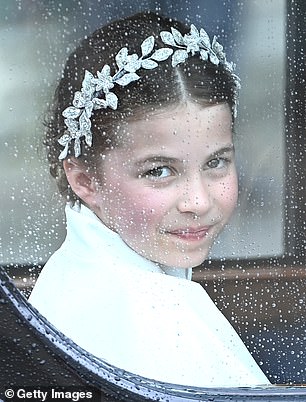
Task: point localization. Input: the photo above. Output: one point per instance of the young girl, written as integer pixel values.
(140, 143)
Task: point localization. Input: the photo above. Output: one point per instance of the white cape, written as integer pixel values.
(130, 312)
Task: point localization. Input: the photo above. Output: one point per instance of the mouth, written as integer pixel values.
(191, 234)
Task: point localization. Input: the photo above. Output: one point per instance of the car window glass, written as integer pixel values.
(31, 218)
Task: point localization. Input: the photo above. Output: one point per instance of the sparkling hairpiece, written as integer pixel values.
(96, 90)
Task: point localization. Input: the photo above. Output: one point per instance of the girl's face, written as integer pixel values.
(171, 187)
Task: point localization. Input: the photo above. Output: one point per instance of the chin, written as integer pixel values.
(185, 261)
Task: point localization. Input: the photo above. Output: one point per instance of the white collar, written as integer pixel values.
(82, 222)
(122, 308)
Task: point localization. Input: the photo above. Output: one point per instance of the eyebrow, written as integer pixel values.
(167, 159)
(157, 158)
(224, 150)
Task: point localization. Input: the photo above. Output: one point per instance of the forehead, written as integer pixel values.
(183, 127)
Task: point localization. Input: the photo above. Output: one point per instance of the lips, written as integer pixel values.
(191, 234)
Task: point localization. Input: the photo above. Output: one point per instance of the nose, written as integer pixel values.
(195, 196)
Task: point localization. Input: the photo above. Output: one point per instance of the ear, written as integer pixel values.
(81, 180)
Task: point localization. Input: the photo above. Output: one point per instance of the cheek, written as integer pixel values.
(141, 209)
(228, 194)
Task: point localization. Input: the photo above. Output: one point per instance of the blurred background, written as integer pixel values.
(36, 36)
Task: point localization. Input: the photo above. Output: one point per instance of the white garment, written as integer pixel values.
(137, 316)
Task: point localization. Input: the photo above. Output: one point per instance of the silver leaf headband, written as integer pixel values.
(96, 90)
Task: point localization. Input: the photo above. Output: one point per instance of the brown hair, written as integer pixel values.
(195, 80)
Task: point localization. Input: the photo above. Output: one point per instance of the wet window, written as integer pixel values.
(260, 55)
(255, 270)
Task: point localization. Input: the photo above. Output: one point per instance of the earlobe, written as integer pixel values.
(81, 180)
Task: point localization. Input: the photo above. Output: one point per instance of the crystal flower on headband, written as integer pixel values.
(96, 90)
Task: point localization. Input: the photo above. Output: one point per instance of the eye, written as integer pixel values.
(218, 163)
(160, 172)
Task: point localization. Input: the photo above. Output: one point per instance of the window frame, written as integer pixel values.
(296, 128)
